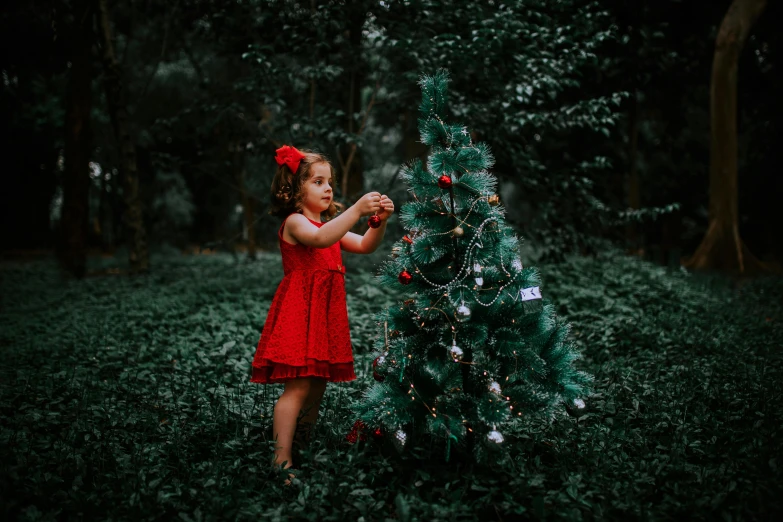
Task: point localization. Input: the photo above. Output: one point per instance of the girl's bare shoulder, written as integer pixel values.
(296, 223)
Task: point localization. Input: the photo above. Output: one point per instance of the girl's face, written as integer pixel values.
(318, 189)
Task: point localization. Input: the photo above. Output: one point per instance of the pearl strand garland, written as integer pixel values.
(473, 244)
(449, 287)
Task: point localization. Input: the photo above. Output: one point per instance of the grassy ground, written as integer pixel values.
(129, 399)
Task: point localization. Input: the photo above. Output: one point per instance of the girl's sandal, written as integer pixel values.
(292, 473)
(292, 480)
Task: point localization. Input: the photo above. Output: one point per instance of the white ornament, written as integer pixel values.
(463, 313)
(477, 275)
(529, 294)
(494, 387)
(495, 436)
(577, 408)
(399, 439)
(455, 352)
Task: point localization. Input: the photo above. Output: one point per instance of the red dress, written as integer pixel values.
(306, 331)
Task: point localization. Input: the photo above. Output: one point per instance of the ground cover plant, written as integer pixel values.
(128, 398)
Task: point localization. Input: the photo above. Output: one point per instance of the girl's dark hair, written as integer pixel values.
(287, 194)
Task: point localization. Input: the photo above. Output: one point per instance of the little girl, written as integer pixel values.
(305, 341)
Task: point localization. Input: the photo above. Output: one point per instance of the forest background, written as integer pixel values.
(598, 115)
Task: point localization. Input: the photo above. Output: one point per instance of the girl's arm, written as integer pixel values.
(331, 232)
(366, 244)
(369, 242)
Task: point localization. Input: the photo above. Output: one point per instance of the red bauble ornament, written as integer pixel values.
(377, 376)
(405, 277)
(374, 222)
(444, 181)
(357, 432)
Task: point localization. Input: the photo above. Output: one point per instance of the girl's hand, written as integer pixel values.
(387, 208)
(369, 203)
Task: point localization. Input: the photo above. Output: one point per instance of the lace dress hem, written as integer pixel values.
(270, 372)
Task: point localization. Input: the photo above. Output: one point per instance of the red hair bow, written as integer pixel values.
(289, 156)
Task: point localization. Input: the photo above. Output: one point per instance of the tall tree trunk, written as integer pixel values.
(103, 203)
(248, 202)
(74, 225)
(352, 181)
(634, 196)
(138, 251)
(722, 249)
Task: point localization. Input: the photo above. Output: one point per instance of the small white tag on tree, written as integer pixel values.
(530, 293)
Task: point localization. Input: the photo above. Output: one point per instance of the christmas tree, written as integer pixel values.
(474, 347)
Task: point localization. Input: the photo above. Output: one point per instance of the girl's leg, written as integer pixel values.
(307, 417)
(286, 413)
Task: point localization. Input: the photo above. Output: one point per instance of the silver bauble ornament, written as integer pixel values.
(455, 352)
(577, 408)
(495, 436)
(399, 439)
(462, 313)
(494, 387)
(477, 275)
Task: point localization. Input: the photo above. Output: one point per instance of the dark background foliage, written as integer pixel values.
(557, 89)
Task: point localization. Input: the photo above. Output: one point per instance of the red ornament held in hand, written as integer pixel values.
(374, 222)
(405, 277)
(444, 181)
